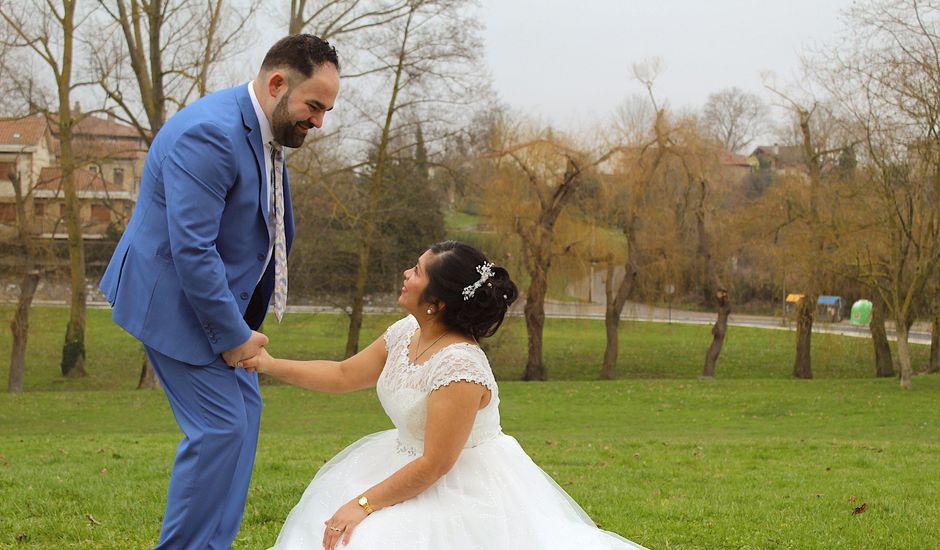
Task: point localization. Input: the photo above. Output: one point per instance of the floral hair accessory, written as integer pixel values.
(486, 271)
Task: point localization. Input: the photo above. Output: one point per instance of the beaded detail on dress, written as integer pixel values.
(404, 387)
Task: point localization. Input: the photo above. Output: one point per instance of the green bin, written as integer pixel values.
(861, 313)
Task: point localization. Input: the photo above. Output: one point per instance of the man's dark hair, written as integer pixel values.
(303, 53)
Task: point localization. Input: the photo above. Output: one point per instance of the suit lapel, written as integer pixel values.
(253, 135)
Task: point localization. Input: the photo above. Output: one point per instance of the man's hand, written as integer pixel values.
(248, 349)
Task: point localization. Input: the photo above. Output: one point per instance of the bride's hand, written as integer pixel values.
(260, 362)
(342, 524)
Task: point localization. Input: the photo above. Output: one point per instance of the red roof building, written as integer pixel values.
(110, 158)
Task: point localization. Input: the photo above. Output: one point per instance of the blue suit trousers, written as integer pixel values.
(219, 410)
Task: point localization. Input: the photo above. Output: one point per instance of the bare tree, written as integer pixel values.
(427, 62)
(48, 30)
(810, 118)
(536, 176)
(887, 77)
(551, 174)
(156, 56)
(734, 117)
(332, 18)
(643, 137)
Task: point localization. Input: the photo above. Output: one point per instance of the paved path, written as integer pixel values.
(920, 334)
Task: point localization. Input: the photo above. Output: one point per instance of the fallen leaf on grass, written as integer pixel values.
(104, 471)
(91, 519)
(861, 509)
(852, 498)
(636, 456)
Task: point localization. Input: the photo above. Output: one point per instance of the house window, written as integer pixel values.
(62, 210)
(118, 176)
(6, 170)
(7, 212)
(100, 213)
(39, 209)
(93, 168)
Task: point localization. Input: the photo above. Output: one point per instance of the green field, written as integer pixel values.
(573, 349)
(752, 459)
(668, 463)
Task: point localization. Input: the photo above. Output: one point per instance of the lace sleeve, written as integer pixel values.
(463, 364)
(394, 333)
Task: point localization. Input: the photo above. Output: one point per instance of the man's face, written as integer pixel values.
(304, 106)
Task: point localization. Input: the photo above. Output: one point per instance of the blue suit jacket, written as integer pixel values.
(184, 276)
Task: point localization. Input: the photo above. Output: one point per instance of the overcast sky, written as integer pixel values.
(568, 61)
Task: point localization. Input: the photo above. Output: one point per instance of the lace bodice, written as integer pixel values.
(404, 387)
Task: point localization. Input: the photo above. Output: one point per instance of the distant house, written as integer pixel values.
(110, 156)
(780, 159)
(735, 168)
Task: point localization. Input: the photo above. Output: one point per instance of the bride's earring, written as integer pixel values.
(430, 311)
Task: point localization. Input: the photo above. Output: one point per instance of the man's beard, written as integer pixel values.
(284, 128)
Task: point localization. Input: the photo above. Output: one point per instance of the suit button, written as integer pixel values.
(244, 295)
(261, 257)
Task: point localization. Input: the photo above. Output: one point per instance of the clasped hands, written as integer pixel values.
(250, 355)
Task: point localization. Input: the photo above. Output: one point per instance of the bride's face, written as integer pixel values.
(416, 280)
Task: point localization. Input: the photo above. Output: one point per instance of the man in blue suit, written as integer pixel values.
(194, 272)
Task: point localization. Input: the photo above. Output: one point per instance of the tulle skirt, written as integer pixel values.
(494, 498)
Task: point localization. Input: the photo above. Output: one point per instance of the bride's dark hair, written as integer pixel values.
(454, 268)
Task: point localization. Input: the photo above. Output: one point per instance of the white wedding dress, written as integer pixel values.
(494, 498)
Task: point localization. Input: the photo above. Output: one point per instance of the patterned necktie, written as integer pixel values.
(276, 215)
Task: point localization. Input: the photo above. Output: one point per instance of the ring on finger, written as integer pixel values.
(335, 529)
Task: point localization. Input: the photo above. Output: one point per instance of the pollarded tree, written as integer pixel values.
(536, 177)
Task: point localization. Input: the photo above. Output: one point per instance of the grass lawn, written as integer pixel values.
(668, 463)
(750, 460)
(573, 349)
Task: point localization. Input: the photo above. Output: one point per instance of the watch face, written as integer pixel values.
(363, 501)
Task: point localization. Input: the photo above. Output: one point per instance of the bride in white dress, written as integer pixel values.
(446, 477)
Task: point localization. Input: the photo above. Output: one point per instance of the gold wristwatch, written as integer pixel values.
(364, 503)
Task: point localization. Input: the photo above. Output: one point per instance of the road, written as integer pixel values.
(920, 334)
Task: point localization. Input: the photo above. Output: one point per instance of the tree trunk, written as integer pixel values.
(148, 378)
(73, 350)
(611, 325)
(19, 326)
(904, 356)
(535, 324)
(884, 368)
(805, 311)
(934, 364)
(355, 320)
(611, 350)
(719, 330)
(615, 302)
(707, 269)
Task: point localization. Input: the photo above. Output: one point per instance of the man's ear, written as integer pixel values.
(277, 83)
